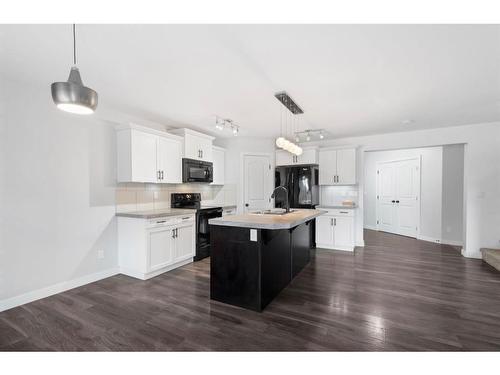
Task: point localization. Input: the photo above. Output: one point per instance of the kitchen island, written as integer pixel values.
(254, 256)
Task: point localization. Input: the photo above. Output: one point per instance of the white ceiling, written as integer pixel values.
(349, 79)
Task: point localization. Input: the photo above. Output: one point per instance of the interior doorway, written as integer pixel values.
(431, 203)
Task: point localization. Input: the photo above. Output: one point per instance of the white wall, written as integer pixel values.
(430, 187)
(235, 148)
(58, 196)
(481, 170)
(453, 193)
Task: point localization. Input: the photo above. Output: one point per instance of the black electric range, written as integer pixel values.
(203, 214)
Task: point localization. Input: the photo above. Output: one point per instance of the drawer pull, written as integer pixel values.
(344, 212)
(186, 218)
(161, 221)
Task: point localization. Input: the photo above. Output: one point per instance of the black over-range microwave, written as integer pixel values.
(197, 171)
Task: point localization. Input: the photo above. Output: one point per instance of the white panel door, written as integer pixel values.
(185, 243)
(219, 157)
(398, 197)
(160, 247)
(144, 168)
(327, 167)
(346, 166)
(386, 212)
(324, 231)
(170, 160)
(257, 182)
(407, 186)
(343, 236)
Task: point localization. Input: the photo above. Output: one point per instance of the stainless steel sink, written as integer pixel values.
(274, 211)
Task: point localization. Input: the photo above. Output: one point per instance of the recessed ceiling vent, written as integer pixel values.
(288, 102)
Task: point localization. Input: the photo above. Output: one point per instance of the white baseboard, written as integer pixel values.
(371, 227)
(471, 255)
(54, 289)
(452, 242)
(429, 239)
(360, 243)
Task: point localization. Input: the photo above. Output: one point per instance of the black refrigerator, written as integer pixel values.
(303, 189)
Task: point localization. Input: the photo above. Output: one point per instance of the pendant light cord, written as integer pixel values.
(74, 44)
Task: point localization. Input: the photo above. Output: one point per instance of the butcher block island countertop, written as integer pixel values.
(268, 221)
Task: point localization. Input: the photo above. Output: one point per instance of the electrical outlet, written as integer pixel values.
(100, 254)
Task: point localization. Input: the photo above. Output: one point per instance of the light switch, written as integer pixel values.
(253, 235)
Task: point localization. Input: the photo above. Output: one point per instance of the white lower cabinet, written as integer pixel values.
(160, 248)
(149, 247)
(335, 230)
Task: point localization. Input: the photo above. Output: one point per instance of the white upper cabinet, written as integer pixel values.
(283, 158)
(309, 156)
(142, 156)
(197, 145)
(219, 160)
(327, 167)
(346, 166)
(337, 167)
(170, 160)
(148, 155)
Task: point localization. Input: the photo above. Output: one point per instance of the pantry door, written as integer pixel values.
(257, 182)
(398, 196)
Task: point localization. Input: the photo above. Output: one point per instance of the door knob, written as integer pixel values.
(246, 204)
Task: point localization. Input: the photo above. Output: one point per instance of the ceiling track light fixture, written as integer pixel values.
(294, 109)
(72, 96)
(222, 123)
(308, 133)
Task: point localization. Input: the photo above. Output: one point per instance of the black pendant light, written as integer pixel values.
(72, 96)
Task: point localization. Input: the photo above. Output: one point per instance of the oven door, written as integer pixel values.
(196, 171)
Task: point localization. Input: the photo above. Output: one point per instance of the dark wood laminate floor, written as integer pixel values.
(396, 293)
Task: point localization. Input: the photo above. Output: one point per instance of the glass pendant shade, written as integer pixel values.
(72, 96)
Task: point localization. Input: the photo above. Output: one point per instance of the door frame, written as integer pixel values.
(241, 206)
(419, 193)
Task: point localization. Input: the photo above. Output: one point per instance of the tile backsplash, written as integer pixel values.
(139, 197)
(334, 195)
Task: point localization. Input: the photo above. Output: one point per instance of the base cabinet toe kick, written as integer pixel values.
(249, 267)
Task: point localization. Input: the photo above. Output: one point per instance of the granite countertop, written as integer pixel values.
(152, 214)
(336, 207)
(263, 221)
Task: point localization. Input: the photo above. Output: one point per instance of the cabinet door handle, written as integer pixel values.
(158, 177)
(202, 154)
(397, 201)
(173, 233)
(335, 222)
(331, 222)
(162, 177)
(176, 232)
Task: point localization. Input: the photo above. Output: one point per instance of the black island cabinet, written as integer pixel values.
(250, 266)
